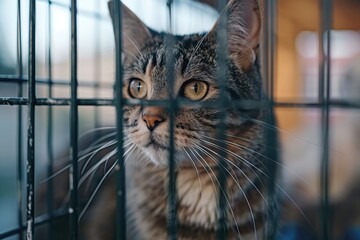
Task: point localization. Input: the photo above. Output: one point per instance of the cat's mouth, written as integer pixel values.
(156, 145)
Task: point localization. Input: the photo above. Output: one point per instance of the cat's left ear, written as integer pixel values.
(134, 31)
(243, 25)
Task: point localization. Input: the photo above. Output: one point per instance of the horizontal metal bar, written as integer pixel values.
(16, 79)
(240, 104)
(40, 220)
(332, 103)
(54, 101)
(84, 13)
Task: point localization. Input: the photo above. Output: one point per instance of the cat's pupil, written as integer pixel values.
(196, 87)
(138, 86)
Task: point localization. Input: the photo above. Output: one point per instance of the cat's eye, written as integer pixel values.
(195, 90)
(137, 88)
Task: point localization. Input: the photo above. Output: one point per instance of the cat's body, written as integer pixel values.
(197, 146)
(197, 159)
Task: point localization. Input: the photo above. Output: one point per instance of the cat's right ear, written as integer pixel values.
(134, 31)
(243, 24)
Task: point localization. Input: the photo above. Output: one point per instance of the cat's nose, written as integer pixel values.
(153, 116)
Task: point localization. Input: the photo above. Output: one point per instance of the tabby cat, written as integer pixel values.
(195, 69)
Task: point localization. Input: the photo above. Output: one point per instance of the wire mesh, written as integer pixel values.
(324, 103)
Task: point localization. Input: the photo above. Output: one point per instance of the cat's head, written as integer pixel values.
(194, 67)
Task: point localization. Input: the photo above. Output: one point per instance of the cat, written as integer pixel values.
(196, 142)
(147, 132)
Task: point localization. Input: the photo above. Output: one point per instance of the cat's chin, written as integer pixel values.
(160, 155)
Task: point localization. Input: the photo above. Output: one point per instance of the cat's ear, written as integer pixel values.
(243, 25)
(134, 31)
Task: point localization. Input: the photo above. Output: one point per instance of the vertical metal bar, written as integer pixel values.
(31, 124)
(265, 48)
(271, 19)
(50, 152)
(172, 196)
(271, 135)
(120, 173)
(74, 126)
(97, 73)
(324, 97)
(269, 46)
(20, 122)
(222, 49)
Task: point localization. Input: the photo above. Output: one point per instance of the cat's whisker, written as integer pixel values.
(129, 153)
(197, 172)
(251, 141)
(68, 163)
(95, 167)
(84, 134)
(250, 151)
(246, 162)
(277, 129)
(212, 181)
(125, 145)
(236, 167)
(267, 176)
(95, 191)
(237, 183)
(244, 174)
(100, 162)
(101, 182)
(66, 199)
(93, 154)
(98, 141)
(103, 147)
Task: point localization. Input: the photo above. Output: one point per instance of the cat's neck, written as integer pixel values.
(197, 195)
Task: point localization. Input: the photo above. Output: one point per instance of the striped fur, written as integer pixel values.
(196, 140)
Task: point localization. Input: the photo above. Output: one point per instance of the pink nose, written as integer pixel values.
(153, 116)
(152, 121)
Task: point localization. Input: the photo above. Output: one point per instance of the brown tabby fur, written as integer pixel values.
(196, 144)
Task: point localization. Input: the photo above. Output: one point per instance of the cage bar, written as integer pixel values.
(271, 6)
(324, 98)
(271, 134)
(50, 152)
(19, 124)
(74, 121)
(30, 164)
(59, 82)
(97, 73)
(119, 103)
(172, 108)
(324, 104)
(222, 166)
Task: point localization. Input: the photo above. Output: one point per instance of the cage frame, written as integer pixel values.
(26, 226)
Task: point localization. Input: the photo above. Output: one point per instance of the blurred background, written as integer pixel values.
(296, 80)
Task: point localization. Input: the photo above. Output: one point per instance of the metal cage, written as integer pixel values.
(27, 225)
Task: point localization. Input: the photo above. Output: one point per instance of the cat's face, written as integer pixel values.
(194, 69)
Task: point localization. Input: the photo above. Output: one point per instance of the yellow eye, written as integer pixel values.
(137, 88)
(195, 90)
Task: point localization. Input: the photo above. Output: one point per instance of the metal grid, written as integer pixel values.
(27, 226)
